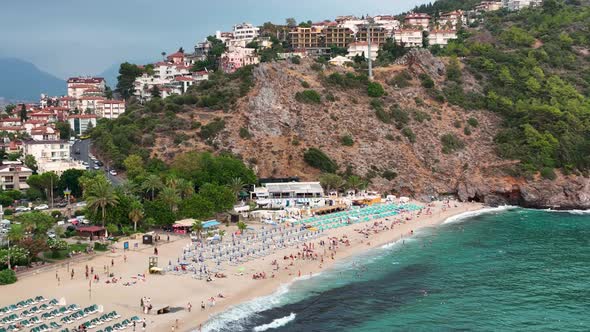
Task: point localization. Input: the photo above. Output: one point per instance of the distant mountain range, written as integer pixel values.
(23, 81)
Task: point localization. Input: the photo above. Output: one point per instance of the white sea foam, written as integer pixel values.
(275, 323)
(577, 212)
(465, 215)
(240, 313)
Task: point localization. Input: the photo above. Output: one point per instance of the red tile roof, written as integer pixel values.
(183, 79)
(176, 55)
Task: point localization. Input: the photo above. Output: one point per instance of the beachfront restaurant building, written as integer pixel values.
(289, 194)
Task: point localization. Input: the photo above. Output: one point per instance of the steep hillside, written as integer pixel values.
(499, 116)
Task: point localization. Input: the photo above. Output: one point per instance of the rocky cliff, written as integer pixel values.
(403, 158)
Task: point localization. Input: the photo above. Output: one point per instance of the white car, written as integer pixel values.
(85, 163)
(41, 207)
(22, 209)
(81, 204)
(96, 167)
(113, 172)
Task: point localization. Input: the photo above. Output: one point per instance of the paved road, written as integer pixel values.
(84, 147)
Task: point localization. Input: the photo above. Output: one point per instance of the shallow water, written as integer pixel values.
(512, 270)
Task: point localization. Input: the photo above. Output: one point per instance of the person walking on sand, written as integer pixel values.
(143, 325)
(112, 262)
(72, 278)
(189, 306)
(202, 306)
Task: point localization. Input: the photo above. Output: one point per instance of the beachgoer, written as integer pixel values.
(125, 258)
(112, 262)
(202, 305)
(143, 325)
(189, 306)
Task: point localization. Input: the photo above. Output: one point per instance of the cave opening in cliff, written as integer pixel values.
(475, 199)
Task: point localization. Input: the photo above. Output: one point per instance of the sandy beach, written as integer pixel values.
(177, 291)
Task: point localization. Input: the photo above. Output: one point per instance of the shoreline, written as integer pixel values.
(176, 291)
(308, 270)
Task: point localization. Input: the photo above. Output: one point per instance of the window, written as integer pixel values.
(8, 179)
(22, 179)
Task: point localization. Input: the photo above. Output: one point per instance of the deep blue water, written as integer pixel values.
(514, 270)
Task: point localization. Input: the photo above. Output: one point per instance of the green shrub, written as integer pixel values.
(419, 101)
(426, 81)
(376, 104)
(56, 214)
(347, 140)
(316, 67)
(473, 122)
(401, 80)
(409, 134)
(244, 133)
(420, 116)
(100, 246)
(375, 90)
(7, 277)
(347, 81)
(457, 124)
(383, 116)
(316, 158)
(548, 173)
(295, 142)
(330, 97)
(389, 175)
(451, 143)
(467, 131)
(211, 129)
(308, 97)
(305, 84)
(296, 60)
(389, 137)
(401, 117)
(195, 125)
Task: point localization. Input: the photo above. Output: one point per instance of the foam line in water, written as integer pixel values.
(279, 322)
(466, 215)
(577, 212)
(240, 313)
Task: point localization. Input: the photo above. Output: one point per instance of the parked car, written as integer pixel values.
(96, 167)
(113, 172)
(61, 204)
(85, 163)
(41, 207)
(81, 204)
(22, 209)
(99, 163)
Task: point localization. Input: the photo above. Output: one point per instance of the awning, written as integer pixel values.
(211, 223)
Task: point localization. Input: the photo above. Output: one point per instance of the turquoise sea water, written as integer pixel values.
(513, 270)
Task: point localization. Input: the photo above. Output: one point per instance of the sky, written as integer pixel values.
(85, 37)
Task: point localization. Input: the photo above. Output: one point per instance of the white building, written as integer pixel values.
(289, 194)
(81, 122)
(45, 151)
(44, 133)
(362, 49)
(60, 166)
(441, 37)
(408, 37)
(89, 103)
(520, 4)
(451, 20)
(488, 6)
(340, 61)
(78, 85)
(110, 109)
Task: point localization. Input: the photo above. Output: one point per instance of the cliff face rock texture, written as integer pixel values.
(403, 158)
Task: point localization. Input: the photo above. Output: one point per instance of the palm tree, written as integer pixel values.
(136, 213)
(236, 185)
(354, 182)
(198, 227)
(129, 188)
(331, 181)
(172, 182)
(221, 234)
(151, 184)
(100, 196)
(185, 188)
(170, 197)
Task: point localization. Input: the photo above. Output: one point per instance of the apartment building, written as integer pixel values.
(110, 109)
(306, 38)
(337, 36)
(378, 34)
(488, 6)
(81, 122)
(78, 85)
(408, 37)
(47, 151)
(520, 4)
(441, 37)
(13, 175)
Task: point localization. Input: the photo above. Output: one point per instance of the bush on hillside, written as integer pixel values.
(409, 134)
(375, 90)
(347, 140)
(308, 97)
(316, 158)
(451, 143)
(211, 129)
(401, 80)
